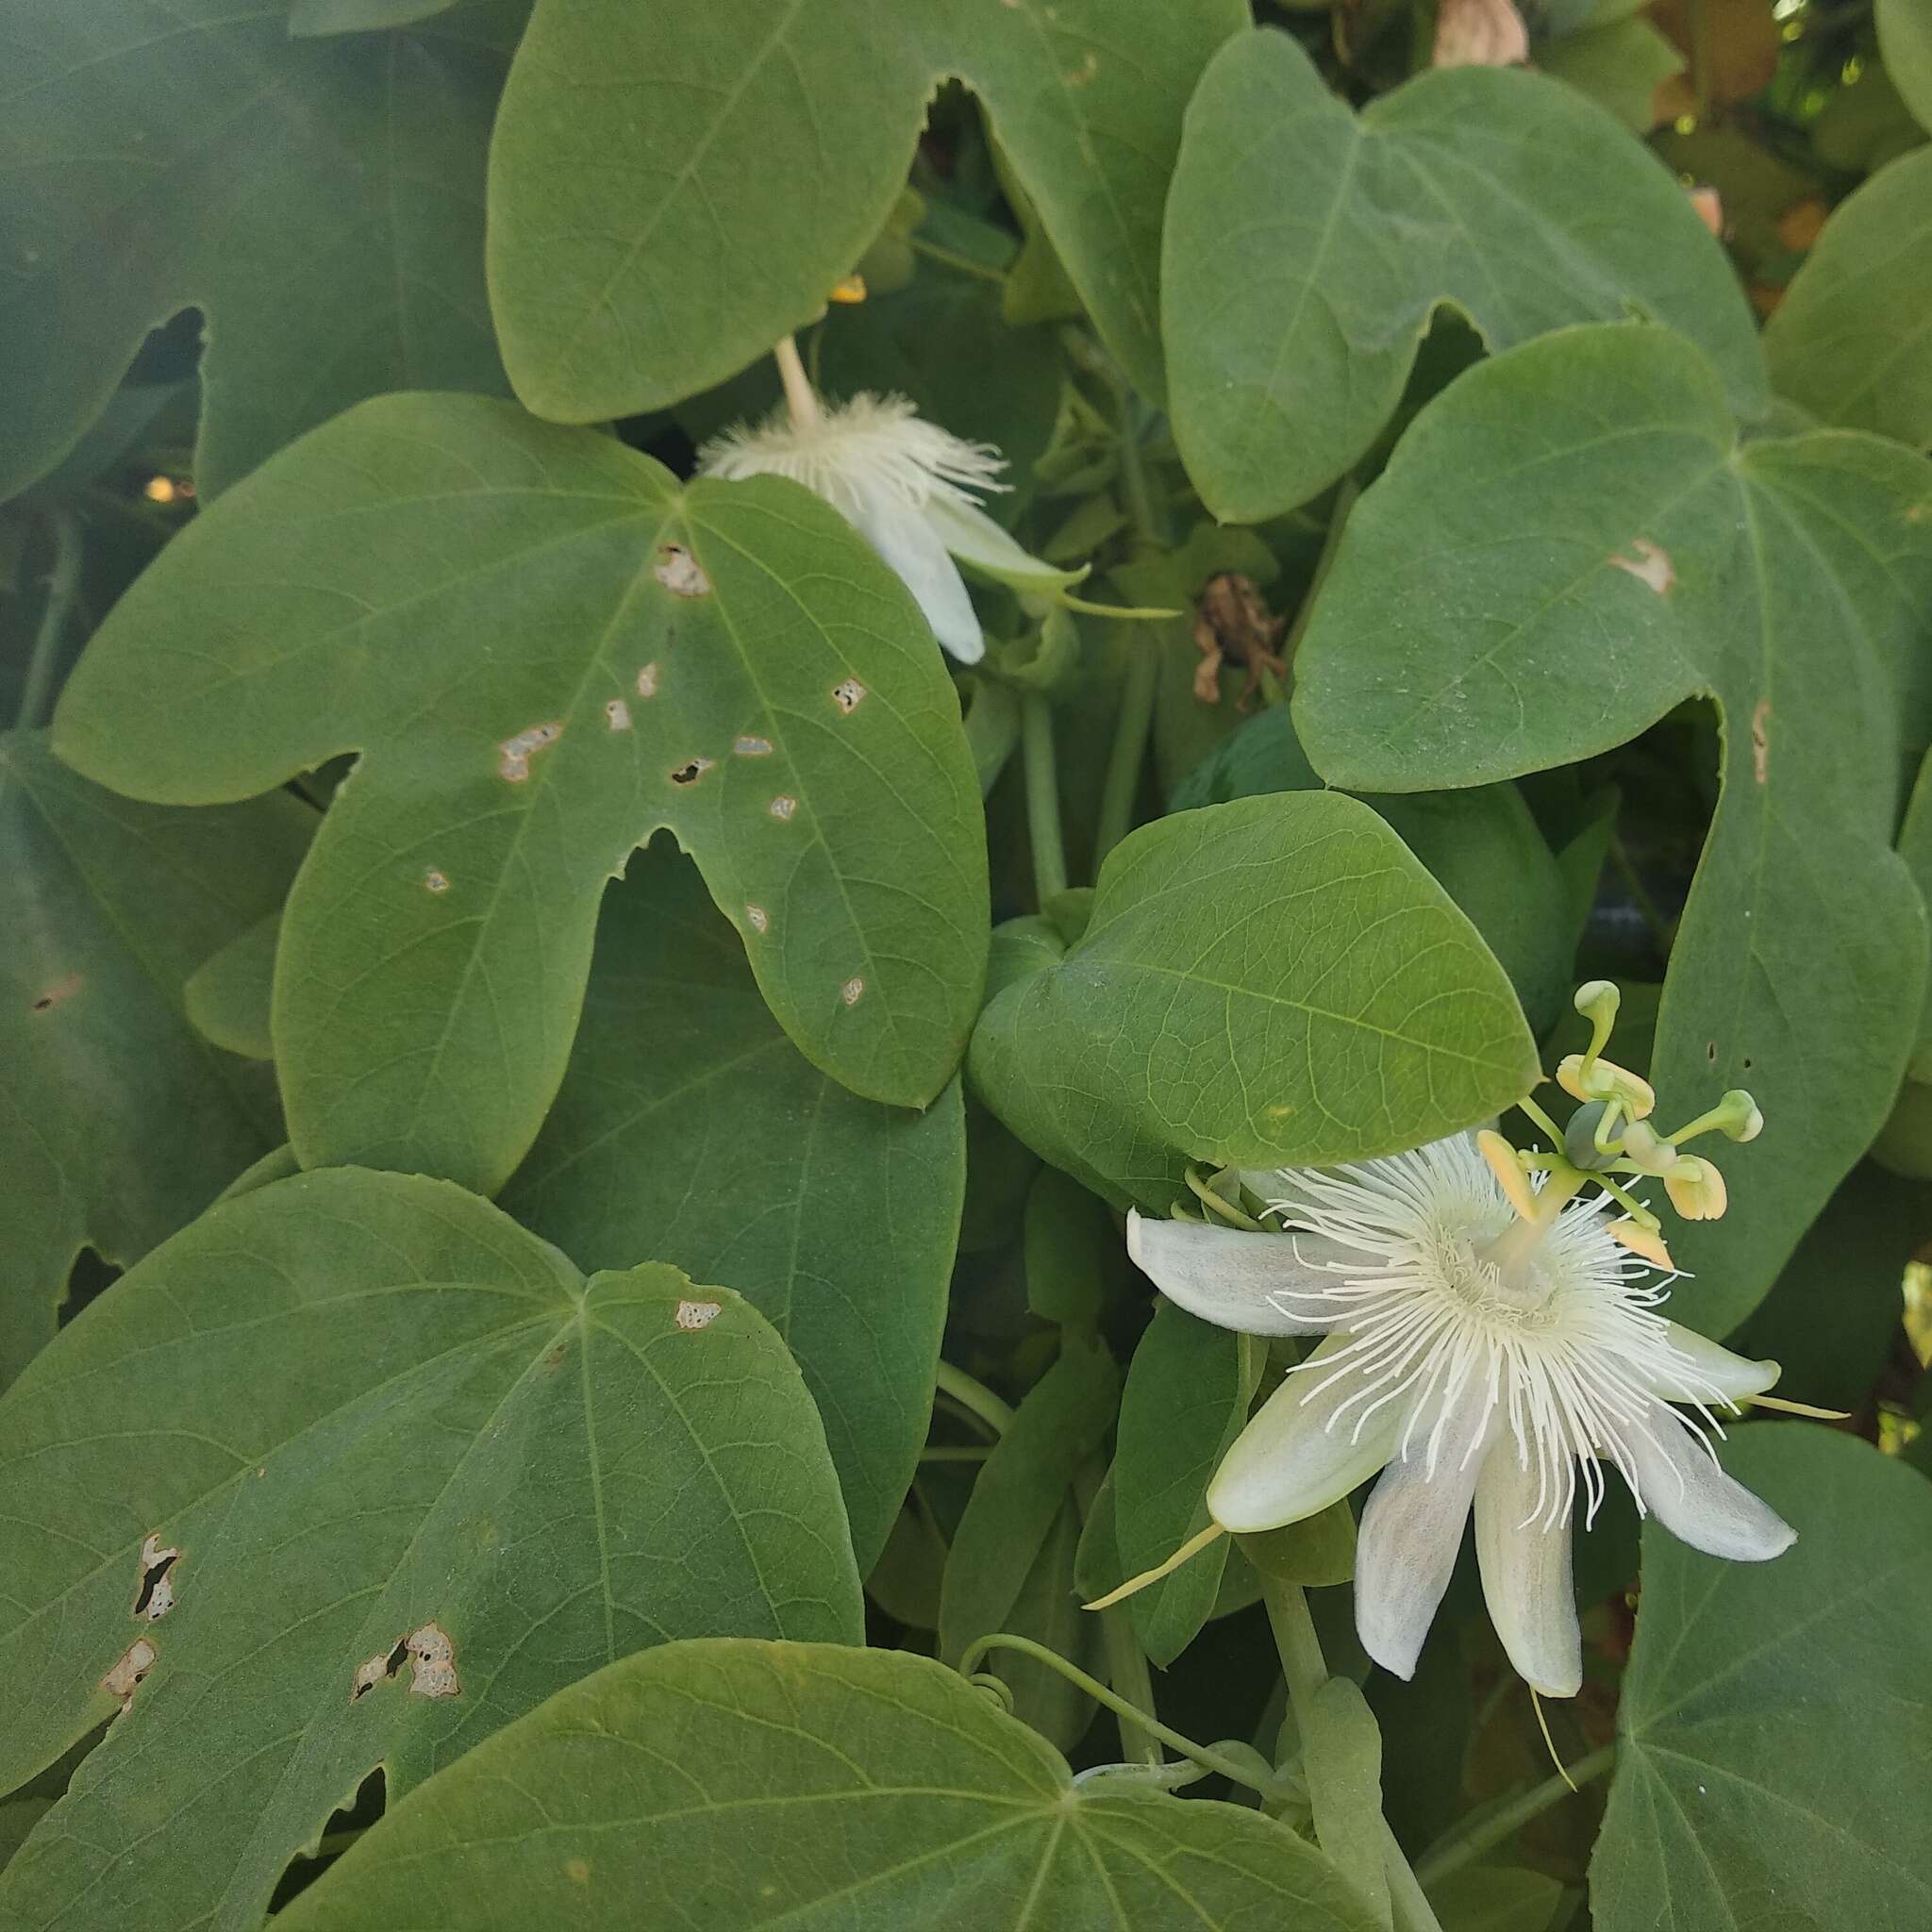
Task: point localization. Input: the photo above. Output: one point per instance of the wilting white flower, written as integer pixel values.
(1474, 1354)
(907, 486)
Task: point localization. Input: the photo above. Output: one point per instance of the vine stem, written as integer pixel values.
(1303, 1666)
(63, 584)
(1126, 1662)
(974, 1397)
(1204, 1755)
(1042, 796)
(1493, 1828)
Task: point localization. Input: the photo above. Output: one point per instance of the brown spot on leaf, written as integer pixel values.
(690, 773)
(783, 806)
(432, 1663)
(692, 1316)
(377, 1669)
(1760, 740)
(680, 572)
(61, 989)
(1089, 67)
(647, 681)
(514, 754)
(617, 714)
(577, 1870)
(850, 991)
(154, 1593)
(128, 1669)
(436, 881)
(1649, 566)
(752, 747)
(848, 694)
(757, 919)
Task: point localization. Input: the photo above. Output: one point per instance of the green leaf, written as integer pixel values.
(1274, 982)
(1569, 542)
(1306, 249)
(1852, 340)
(321, 201)
(838, 1788)
(1904, 43)
(1064, 1230)
(1343, 1751)
(1620, 65)
(1915, 848)
(1774, 1716)
(1481, 846)
(371, 1415)
(228, 995)
(545, 651)
(689, 1129)
(358, 16)
(665, 204)
(1186, 1400)
(1496, 1898)
(118, 1122)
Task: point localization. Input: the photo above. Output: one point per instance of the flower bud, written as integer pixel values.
(1740, 1118)
(1696, 1189)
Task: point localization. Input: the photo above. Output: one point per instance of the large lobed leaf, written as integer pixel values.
(1270, 982)
(689, 1129)
(1569, 542)
(545, 651)
(118, 1122)
(415, 1475)
(321, 201)
(1774, 1716)
(667, 198)
(1306, 248)
(733, 1785)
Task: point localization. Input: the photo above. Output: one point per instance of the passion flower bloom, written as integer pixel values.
(908, 486)
(1486, 1345)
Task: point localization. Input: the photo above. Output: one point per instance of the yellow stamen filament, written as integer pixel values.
(1192, 1548)
(1822, 1415)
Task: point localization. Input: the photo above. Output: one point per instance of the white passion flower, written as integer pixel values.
(1486, 1345)
(908, 486)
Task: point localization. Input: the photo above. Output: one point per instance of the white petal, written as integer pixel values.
(1684, 1489)
(908, 542)
(1708, 1368)
(1262, 1284)
(1410, 1532)
(1287, 1463)
(1526, 1567)
(973, 537)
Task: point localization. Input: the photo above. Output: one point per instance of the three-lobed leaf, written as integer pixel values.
(665, 202)
(320, 200)
(731, 1784)
(1306, 248)
(1569, 542)
(1272, 982)
(545, 651)
(383, 1472)
(118, 1122)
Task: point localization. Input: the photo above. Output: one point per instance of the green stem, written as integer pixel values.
(974, 1397)
(1409, 1908)
(1042, 797)
(1130, 734)
(63, 584)
(1346, 495)
(1126, 1662)
(1493, 1826)
(1203, 1755)
(954, 1452)
(964, 263)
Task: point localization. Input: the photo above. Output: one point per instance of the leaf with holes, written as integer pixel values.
(545, 651)
(385, 1474)
(1308, 248)
(118, 1122)
(1769, 1708)
(840, 1789)
(1852, 340)
(691, 1129)
(1272, 982)
(321, 201)
(665, 203)
(1569, 542)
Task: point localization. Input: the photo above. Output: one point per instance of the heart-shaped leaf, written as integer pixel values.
(1852, 340)
(545, 650)
(665, 202)
(1306, 249)
(731, 1784)
(384, 1472)
(1272, 982)
(689, 1129)
(320, 200)
(1569, 541)
(118, 1121)
(1769, 1708)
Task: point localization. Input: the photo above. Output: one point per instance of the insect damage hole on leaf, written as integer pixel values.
(436, 881)
(783, 806)
(851, 990)
(61, 991)
(515, 753)
(691, 773)
(757, 918)
(749, 747)
(1760, 740)
(377, 1669)
(680, 572)
(154, 1594)
(692, 1316)
(617, 714)
(128, 1669)
(1649, 565)
(432, 1663)
(848, 694)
